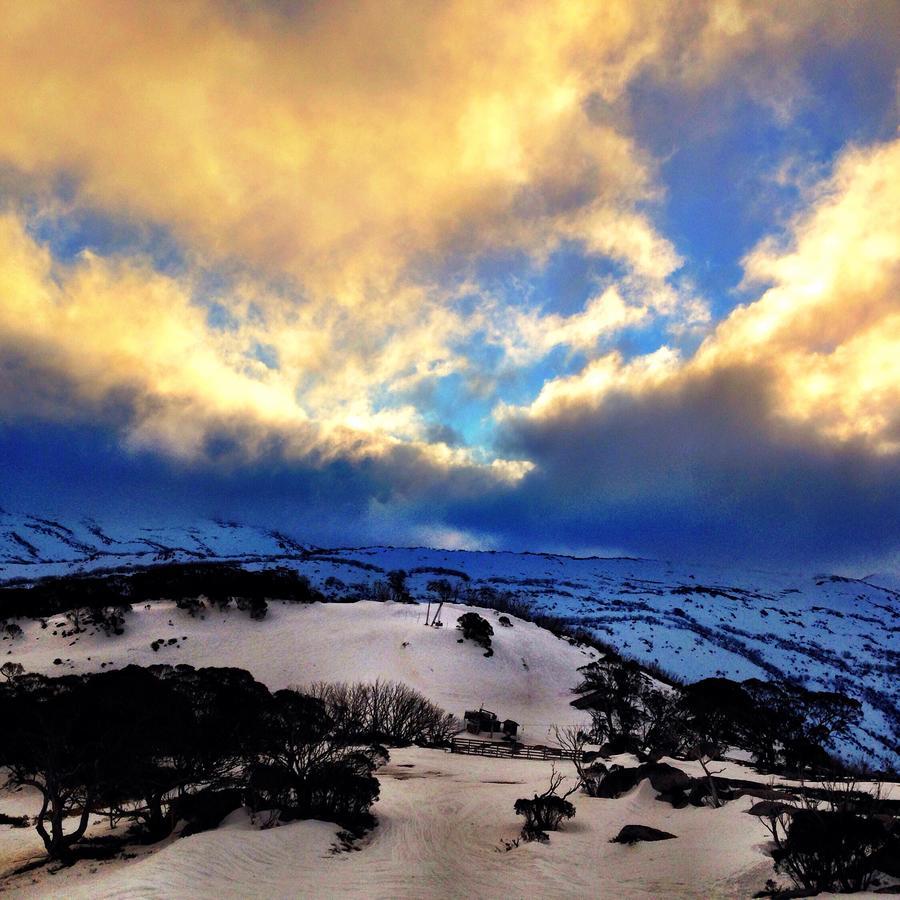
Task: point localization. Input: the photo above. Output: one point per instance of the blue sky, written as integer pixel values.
(588, 277)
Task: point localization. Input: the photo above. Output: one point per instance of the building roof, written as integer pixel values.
(479, 714)
(586, 701)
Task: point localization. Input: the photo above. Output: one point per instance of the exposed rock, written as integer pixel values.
(665, 778)
(763, 793)
(632, 834)
(701, 795)
(766, 808)
(678, 798)
(618, 781)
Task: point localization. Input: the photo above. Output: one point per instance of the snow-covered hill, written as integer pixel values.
(529, 678)
(828, 632)
(32, 546)
(442, 818)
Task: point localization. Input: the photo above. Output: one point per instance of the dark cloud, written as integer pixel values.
(32, 387)
(703, 471)
(439, 432)
(75, 469)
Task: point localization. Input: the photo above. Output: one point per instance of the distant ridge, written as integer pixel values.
(827, 632)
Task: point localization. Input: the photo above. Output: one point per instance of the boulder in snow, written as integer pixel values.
(633, 834)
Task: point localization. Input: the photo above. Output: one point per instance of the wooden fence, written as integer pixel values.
(508, 749)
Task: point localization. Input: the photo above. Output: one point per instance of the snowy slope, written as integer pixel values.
(829, 632)
(442, 817)
(529, 678)
(32, 546)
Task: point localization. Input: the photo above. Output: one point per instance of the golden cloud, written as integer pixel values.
(342, 143)
(113, 327)
(337, 151)
(334, 148)
(826, 330)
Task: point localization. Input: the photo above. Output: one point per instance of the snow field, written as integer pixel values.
(442, 819)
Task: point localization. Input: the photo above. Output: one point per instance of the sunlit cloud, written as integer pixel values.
(826, 331)
(304, 199)
(114, 330)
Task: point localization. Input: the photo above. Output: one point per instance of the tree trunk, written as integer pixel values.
(57, 842)
(156, 823)
(709, 780)
(39, 821)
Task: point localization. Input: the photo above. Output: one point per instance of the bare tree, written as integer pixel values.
(545, 811)
(832, 838)
(383, 711)
(704, 755)
(574, 740)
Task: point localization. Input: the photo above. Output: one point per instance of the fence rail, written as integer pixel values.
(508, 750)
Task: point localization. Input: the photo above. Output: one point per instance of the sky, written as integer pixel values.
(616, 277)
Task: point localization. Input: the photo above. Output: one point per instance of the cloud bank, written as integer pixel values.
(241, 235)
(779, 435)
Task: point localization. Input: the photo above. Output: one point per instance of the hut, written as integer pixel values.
(478, 720)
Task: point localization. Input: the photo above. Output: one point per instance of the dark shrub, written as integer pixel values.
(476, 628)
(304, 770)
(183, 583)
(612, 690)
(825, 851)
(834, 849)
(545, 812)
(397, 584)
(191, 605)
(205, 809)
(153, 744)
(108, 619)
(256, 606)
(14, 821)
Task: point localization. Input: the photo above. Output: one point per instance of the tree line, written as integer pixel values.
(153, 745)
(785, 726)
(183, 583)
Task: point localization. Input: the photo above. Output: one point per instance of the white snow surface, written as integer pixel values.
(529, 678)
(442, 817)
(827, 632)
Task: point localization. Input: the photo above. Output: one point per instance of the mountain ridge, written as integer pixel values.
(826, 632)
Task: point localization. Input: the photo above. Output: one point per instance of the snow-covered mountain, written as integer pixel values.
(32, 546)
(828, 632)
(442, 817)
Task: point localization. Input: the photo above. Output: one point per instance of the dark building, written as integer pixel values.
(510, 727)
(479, 720)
